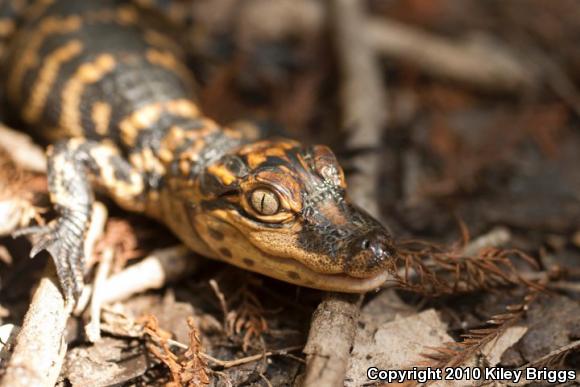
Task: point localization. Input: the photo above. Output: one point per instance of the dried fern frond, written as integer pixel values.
(188, 369)
(456, 353)
(434, 270)
(246, 317)
(194, 367)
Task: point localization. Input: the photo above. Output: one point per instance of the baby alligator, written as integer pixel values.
(108, 85)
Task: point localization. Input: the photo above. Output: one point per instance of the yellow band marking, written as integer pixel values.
(46, 78)
(101, 115)
(33, 10)
(182, 108)
(161, 41)
(223, 174)
(28, 58)
(127, 15)
(142, 118)
(32, 40)
(148, 115)
(124, 15)
(86, 74)
(168, 60)
(6, 27)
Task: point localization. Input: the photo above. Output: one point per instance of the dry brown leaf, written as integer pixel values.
(395, 345)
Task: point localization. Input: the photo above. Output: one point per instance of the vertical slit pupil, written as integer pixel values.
(262, 202)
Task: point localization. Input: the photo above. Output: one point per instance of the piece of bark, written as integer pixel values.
(109, 362)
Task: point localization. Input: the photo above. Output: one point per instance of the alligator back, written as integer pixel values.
(97, 69)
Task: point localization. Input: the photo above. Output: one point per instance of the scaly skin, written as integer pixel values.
(108, 84)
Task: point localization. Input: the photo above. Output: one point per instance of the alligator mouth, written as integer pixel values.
(336, 282)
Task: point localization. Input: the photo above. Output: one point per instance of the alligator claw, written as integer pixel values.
(63, 242)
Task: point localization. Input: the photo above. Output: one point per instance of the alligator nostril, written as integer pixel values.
(378, 249)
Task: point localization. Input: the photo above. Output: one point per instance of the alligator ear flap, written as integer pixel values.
(223, 177)
(213, 185)
(235, 165)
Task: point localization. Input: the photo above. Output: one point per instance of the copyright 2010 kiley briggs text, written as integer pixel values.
(423, 375)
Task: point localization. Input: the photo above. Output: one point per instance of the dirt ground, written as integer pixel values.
(457, 123)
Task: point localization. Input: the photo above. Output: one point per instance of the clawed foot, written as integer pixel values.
(64, 241)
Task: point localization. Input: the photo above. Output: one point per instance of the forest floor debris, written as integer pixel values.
(469, 132)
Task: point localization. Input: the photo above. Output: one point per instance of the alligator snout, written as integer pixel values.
(369, 254)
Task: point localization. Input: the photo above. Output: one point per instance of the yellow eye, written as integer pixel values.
(264, 201)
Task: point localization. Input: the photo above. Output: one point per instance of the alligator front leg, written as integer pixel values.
(71, 165)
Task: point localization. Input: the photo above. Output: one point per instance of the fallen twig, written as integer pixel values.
(39, 350)
(550, 360)
(222, 299)
(153, 272)
(363, 100)
(565, 286)
(331, 335)
(480, 63)
(8, 333)
(223, 364)
(22, 150)
(497, 237)
(93, 328)
(474, 62)
(556, 356)
(248, 359)
(98, 222)
(95, 231)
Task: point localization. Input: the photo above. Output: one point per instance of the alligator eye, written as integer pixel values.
(264, 201)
